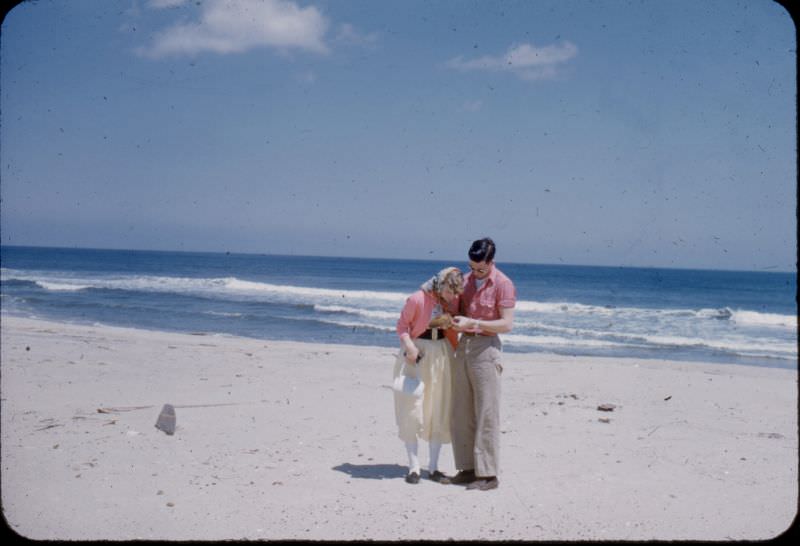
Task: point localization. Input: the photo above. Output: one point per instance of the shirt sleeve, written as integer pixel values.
(506, 294)
(406, 320)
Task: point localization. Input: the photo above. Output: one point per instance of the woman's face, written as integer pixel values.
(447, 294)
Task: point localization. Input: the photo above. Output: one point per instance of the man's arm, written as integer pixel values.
(502, 325)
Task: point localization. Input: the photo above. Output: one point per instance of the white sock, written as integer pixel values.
(433, 464)
(413, 459)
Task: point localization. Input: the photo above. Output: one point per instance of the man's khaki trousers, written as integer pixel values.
(475, 418)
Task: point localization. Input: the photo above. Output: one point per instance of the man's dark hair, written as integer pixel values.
(482, 250)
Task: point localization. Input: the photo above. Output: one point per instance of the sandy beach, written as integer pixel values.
(284, 440)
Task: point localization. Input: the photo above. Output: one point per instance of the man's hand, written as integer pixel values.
(461, 323)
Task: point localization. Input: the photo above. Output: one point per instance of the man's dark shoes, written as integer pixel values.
(412, 477)
(437, 476)
(462, 478)
(484, 484)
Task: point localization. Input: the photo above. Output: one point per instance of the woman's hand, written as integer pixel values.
(411, 354)
(410, 350)
(444, 321)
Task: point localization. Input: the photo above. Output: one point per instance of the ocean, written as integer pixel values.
(737, 317)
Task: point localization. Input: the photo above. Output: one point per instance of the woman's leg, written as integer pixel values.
(407, 409)
(433, 461)
(413, 458)
(435, 369)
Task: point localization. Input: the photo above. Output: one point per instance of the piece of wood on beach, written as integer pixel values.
(606, 407)
(53, 425)
(120, 409)
(166, 419)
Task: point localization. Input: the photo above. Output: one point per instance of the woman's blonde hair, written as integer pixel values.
(449, 277)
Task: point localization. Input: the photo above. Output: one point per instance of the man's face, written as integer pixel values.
(480, 270)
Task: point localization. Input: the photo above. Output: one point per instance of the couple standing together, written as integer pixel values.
(461, 374)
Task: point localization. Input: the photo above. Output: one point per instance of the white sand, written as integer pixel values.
(297, 441)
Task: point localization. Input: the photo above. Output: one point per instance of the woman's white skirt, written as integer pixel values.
(428, 417)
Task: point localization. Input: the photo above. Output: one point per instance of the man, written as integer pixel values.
(487, 309)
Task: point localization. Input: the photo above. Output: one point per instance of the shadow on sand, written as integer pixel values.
(373, 471)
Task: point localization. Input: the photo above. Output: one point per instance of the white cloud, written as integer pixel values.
(348, 34)
(472, 105)
(235, 26)
(525, 60)
(161, 4)
(307, 77)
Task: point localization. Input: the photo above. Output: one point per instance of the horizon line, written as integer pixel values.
(770, 269)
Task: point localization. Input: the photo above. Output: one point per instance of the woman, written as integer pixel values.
(427, 343)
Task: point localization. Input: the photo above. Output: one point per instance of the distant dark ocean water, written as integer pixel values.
(700, 315)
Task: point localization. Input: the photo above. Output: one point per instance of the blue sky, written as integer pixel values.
(642, 133)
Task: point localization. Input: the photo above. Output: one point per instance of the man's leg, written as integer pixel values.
(462, 421)
(484, 369)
